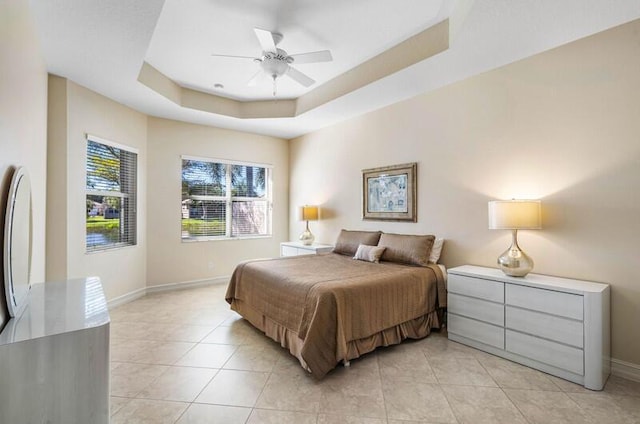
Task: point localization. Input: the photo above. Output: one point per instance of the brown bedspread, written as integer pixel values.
(331, 300)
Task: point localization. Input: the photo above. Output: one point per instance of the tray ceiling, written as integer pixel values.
(106, 45)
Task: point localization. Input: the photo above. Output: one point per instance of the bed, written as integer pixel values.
(330, 308)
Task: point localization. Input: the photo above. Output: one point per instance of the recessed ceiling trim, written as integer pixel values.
(159, 83)
(415, 49)
(199, 100)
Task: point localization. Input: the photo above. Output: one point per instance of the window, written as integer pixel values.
(111, 195)
(221, 199)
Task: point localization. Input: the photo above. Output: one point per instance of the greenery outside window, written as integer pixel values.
(223, 199)
(111, 188)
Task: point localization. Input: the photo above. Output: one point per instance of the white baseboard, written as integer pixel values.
(138, 293)
(126, 298)
(188, 284)
(625, 369)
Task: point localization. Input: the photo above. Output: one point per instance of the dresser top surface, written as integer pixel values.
(531, 280)
(58, 307)
(298, 244)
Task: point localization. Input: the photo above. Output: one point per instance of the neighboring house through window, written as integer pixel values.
(111, 189)
(225, 199)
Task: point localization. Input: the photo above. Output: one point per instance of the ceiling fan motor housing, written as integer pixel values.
(276, 64)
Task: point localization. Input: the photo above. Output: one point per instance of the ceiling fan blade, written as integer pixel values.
(235, 57)
(299, 77)
(255, 78)
(265, 38)
(312, 57)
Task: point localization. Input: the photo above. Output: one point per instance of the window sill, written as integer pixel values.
(200, 239)
(111, 249)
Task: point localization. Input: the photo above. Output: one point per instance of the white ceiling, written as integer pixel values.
(185, 37)
(102, 44)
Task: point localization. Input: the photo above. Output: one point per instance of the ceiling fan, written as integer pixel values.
(276, 62)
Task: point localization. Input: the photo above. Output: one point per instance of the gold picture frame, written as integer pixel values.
(389, 193)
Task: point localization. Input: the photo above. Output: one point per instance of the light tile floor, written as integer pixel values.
(184, 357)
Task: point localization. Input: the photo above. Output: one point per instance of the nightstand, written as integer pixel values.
(557, 325)
(296, 248)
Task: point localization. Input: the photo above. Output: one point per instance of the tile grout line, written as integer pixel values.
(384, 399)
(504, 393)
(439, 384)
(196, 396)
(253, 408)
(517, 407)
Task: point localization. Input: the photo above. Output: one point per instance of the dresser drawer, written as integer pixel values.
(288, 251)
(476, 330)
(475, 308)
(561, 356)
(476, 287)
(548, 326)
(548, 301)
(558, 325)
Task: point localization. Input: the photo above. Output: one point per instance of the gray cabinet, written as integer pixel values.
(54, 358)
(557, 325)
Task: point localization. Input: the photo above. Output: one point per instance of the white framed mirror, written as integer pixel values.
(17, 242)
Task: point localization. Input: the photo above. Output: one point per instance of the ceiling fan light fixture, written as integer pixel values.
(276, 62)
(273, 65)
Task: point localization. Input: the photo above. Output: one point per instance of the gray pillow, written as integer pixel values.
(348, 241)
(406, 249)
(369, 253)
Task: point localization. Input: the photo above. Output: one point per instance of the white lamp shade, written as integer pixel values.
(309, 213)
(515, 215)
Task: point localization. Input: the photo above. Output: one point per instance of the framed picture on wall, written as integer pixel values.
(389, 193)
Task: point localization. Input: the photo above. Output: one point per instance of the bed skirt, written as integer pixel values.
(417, 328)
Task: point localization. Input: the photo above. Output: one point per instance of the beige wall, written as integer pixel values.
(79, 111)
(57, 221)
(169, 260)
(562, 126)
(23, 122)
(160, 257)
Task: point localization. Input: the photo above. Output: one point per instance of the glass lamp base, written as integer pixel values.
(515, 262)
(307, 238)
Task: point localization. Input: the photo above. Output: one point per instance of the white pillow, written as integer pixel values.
(369, 253)
(436, 249)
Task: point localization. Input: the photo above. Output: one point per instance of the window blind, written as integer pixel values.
(222, 199)
(111, 188)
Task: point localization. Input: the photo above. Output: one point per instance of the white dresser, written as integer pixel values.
(54, 358)
(557, 325)
(296, 248)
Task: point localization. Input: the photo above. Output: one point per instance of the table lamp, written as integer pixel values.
(515, 215)
(308, 213)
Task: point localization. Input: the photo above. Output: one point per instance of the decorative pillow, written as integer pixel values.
(406, 249)
(348, 241)
(436, 249)
(369, 253)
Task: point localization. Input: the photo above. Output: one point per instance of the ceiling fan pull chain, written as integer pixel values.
(274, 85)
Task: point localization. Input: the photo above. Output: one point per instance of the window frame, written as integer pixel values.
(228, 198)
(119, 194)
